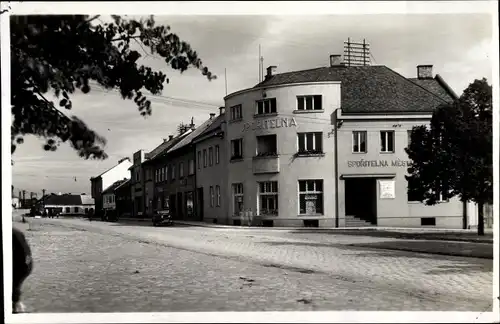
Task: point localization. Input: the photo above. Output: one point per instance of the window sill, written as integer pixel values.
(309, 154)
(387, 152)
(235, 120)
(319, 111)
(273, 156)
(265, 115)
(359, 152)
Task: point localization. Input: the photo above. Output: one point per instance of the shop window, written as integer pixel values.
(266, 106)
(359, 142)
(237, 149)
(238, 198)
(310, 197)
(387, 141)
(267, 145)
(236, 113)
(217, 194)
(268, 198)
(309, 103)
(212, 196)
(310, 143)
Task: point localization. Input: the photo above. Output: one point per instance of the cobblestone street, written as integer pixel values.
(83, 266)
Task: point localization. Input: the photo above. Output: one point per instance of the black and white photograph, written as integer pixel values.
(192, 159)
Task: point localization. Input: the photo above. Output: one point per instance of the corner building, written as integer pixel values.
(325, 148)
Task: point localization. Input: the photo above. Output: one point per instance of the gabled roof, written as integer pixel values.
(189, 138)
(114, 166)
(211, 128)
(437, 86)
(62, 200)
(111, 189)
(163, 148)
(87, 200)
(123, 184)
(366, 89)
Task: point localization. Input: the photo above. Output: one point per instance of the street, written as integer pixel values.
(83, 266)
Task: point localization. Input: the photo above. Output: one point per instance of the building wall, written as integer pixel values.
(163, 190)
(79, 211)
(109, 201)
(137, 184)
(291, 168)
(148, 187)
(213, 176)
(399, 211)
(119, 172)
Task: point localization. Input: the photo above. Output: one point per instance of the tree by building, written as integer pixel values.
(62, 54)
(454, 156)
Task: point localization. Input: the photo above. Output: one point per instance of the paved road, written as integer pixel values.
(92, 266)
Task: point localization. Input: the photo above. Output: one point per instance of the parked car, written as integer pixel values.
(162, 217)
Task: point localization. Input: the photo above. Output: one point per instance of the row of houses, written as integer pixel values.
(319, 147)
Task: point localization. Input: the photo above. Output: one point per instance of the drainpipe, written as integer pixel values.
(336, 166)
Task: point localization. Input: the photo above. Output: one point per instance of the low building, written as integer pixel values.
(106, 179)
(68, 204)
(123, 200)
(212, 192)
(325, 147)
(109, 197)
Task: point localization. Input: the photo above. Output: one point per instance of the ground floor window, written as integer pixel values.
(76, 209)
(217, 193)
(238, 198)
(310, 197)
(212, 196)
(268, 198)
(68, 210)
(189, 203)
(165, 203)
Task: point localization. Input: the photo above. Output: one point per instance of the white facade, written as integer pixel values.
(118, 172)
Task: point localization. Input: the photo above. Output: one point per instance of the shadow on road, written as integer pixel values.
(452, 236)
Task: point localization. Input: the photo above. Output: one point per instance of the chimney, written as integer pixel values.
(165, 140)
(192, 123)
(270, 70)
(336, 60)
(170, 137)
(424, 71)
(212, 115)
(222, 110)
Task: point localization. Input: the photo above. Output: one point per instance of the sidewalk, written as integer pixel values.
(433, 234)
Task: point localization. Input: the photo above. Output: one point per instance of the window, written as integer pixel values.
(210, 156)
(310, 197)
(166, 173)
(211, 196)
(217, 193)
(199, 160)
(235, 112)
(266, 145)
(165, 203)
(237, 149)
(310, 142)
(68, 210)
(205, 158)
(181, 170)
(309, 103)
(387, 141)
(156, 175)
(191, 167)
(76, 209)
(162, 174)
(266, 106)
(172, 171)
(268, 198)
(136, 174)
(359, 142)
(238, 198)
(217, 154)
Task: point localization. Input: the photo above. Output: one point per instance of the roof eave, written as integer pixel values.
(446, 87)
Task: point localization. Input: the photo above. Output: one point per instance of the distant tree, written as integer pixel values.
(60, 54)
(454, 157)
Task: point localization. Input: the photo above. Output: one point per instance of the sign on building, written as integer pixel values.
(387, 189)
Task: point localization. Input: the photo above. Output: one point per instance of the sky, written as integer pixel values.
(457, 45)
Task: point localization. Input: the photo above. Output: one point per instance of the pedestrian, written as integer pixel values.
(22, 265)
(91, 214)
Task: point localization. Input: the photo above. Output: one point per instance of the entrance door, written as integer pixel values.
(200, 205)
(361, 199)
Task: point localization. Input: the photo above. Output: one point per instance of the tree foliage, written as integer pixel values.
(62, 54)
(454, 156)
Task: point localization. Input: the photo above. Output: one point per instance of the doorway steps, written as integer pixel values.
(352, 221)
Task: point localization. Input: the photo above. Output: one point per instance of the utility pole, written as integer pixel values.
(24, 204)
